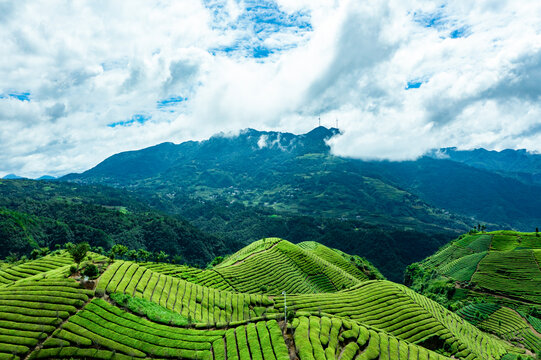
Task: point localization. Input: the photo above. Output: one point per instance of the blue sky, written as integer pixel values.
(84, 80)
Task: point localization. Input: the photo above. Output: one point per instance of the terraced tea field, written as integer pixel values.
(201, 303)
(501, 268)
(504, 322)
(274, 265)
(30, 311)
(332, 338)
(515, 274)
(49, 267)
(164, 311)
(403, 313)
(504, 263)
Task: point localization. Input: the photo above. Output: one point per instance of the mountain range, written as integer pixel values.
(448, 189)
(230, 190)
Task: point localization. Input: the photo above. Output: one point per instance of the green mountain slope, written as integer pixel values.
(500, 264)
(137, 312)
(37, 214)
(488, 277)
(44, 214)
(298, 173)
(274, 265)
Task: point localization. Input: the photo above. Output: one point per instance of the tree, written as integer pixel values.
(119, 250)
(143, 255)
(483, 228)
(78, 252)
(91, 271)
(217, 260)
(12, 258)
(161, 256)
(35, 254)
(536, 231)
(133, 254)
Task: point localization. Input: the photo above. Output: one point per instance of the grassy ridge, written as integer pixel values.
(487, 277)
(274, 265)
(31, 310)
(136, 312)
(403, 313)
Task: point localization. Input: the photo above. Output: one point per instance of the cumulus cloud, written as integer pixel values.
(84, 80)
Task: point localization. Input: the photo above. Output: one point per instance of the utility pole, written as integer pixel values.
(319, 119)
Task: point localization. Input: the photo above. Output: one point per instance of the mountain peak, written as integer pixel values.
(322, 132)
(12, 177)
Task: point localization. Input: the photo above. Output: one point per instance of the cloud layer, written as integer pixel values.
(80, 81)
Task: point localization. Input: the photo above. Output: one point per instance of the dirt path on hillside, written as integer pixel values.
(254, 254)
(527, 322)
(39, 345)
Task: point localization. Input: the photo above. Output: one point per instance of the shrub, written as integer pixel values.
(73, 269)
(91, 271)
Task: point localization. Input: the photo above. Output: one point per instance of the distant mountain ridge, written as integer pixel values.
(12, 177)
(283, 171)
(519, 164)
(298, 173)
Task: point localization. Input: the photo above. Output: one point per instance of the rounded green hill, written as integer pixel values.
(338, 307)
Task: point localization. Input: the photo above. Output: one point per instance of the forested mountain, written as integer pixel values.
(280, 171)
(299, 174)
(518, 164)
(41, 213)
(45, 214)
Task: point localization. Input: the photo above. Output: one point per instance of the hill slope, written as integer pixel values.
(37, 214)
(488, 277)
(274, 265)
(136, 312)
(298, 173)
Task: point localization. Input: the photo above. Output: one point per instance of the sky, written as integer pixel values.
(83, 80)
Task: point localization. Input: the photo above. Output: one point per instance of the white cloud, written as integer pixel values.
(91, 64)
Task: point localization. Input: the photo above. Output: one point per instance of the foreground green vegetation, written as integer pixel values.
(338, 307)
(492, 279)
(38, 214)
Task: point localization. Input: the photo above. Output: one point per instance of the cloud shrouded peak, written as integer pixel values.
(83, 80)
